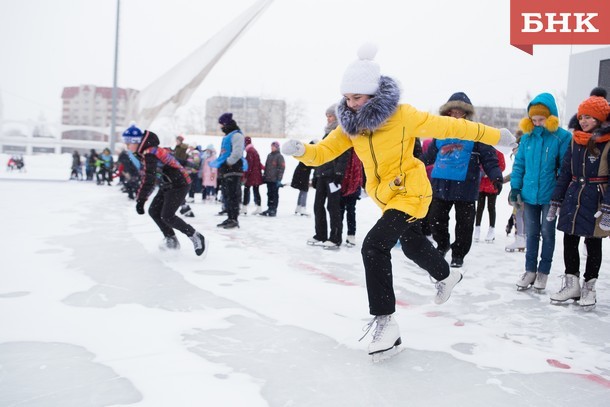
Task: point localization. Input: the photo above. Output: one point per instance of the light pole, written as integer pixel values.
(114, 82)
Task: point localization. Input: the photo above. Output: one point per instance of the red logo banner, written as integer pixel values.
(558, 22)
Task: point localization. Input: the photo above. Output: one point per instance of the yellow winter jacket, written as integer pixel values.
(387, 154)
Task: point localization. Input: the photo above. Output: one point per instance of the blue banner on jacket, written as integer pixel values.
(452, 159)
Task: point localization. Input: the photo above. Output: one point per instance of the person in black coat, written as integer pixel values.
(160, 167)
(582, 199)
(301, 181)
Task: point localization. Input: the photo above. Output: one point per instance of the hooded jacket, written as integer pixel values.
(383, 134)
(540, 155)
(159, 165)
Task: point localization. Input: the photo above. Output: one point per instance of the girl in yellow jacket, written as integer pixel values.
(383, 133)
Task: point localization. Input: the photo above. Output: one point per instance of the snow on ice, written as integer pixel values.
(93, 314)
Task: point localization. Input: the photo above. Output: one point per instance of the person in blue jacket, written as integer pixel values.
(533, 179)
(231, 166)
(582, 200)
(455, 182)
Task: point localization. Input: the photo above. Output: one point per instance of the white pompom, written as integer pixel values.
(367, 51)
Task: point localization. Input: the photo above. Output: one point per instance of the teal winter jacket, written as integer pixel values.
(540, 155)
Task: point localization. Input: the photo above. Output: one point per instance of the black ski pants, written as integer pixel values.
(376, 256)
(333, 204)
(163, 211)
(438, 218)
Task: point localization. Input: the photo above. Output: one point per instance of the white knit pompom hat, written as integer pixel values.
(362, 76)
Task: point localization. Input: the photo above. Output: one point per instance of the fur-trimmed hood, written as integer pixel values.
(374, 113)
(552, 122)
(458, 100)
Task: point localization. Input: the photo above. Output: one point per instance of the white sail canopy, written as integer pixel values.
(174, 88)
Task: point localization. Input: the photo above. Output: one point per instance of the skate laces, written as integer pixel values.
(566, 283)
(196, 241)
(378, 330)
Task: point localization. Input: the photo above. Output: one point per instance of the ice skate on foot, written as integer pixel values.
(526, 281)
(170, 243)
(350, 241)
(444, 287)
(315, 242)
(570, 290)
(382, 356)
(588, 295)
(386, 335)
(517, 245)
(200, 244)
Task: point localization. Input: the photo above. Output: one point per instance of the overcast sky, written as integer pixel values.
(296, 51)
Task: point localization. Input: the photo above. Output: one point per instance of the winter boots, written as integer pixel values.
(444, 287)
(570, 289)
(517, 245)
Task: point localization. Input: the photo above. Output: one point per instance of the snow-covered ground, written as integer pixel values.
(93, 314)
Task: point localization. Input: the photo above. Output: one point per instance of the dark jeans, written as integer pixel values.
(348, 209)
(163, 211)
(571, 257)
(273, 196)
(255, 192)
(438, 218)
(195, 185)
(333, 205)
(231, 192)
(491, 208)
(376, 256)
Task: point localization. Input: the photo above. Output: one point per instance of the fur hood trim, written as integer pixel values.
(552, 124)
(374, 113)
(457, 104)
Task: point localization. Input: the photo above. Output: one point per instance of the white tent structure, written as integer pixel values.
(174, 88)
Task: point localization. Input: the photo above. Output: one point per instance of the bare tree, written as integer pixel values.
(294, 116)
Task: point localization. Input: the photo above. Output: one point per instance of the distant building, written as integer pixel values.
(87, 114)
(500, 117)
(85, 123)
(256, 117)
(587, 71)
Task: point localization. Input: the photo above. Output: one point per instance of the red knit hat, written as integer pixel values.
(596, 107)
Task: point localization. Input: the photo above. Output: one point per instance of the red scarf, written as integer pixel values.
(582, 137)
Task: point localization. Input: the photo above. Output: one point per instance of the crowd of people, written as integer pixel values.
(418, 168)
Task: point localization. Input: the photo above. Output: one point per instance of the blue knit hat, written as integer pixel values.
(133, 135)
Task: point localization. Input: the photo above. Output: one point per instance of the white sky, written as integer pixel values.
(92, 314)
(297, 50)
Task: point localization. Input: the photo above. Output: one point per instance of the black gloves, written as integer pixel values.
(498, 185)
(140, 207)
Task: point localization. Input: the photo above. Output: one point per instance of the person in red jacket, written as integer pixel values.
(160, 167)
(487, 191)
(253, 177)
